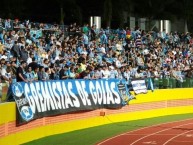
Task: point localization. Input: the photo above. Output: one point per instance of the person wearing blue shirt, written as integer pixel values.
(103, 38)
(79, 48)
(29, 75)
(85, 40)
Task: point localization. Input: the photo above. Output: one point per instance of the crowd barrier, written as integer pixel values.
(161, 102)
(158, 83)
(52, 107)
(165, 83)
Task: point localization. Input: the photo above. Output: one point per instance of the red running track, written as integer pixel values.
(173, 133)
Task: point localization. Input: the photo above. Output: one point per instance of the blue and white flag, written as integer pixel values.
(139, 86)
(150, 84)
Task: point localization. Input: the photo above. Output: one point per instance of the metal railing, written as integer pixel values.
(171, 83)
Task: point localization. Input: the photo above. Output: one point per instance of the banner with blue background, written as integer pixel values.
(47, 98)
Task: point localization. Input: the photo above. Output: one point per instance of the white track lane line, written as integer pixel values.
(158, 132)
(142, 129)
(176, 137)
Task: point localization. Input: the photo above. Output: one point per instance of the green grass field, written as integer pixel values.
(95, 134)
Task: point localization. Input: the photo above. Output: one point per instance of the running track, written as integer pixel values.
(173, 133)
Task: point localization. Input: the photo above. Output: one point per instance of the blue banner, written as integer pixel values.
(46, 98)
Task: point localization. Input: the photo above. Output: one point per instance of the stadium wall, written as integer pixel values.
(153, 104)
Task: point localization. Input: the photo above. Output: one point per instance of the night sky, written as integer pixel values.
(49, 11)
(80, 10)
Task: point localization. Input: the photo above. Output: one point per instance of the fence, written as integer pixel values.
(165, 83)
(158, 83)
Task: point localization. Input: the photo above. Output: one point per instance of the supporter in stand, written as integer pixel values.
(21, 75)
(84, 51)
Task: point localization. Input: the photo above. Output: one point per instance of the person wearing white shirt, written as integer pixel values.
(6, 74)
(7, 24)
(29, 74)
(97, 73)
(29, 59)
(163, 34)
(156, 73)
(105, 72)
(113, 72)
(103, 49)
(138, 74)
(8, 44)
(127, 74)
(4, 56)
(120, 75)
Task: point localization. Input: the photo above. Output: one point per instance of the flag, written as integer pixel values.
(139, 86)
(150, 83)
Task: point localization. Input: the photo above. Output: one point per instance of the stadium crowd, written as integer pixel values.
(85, 52)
